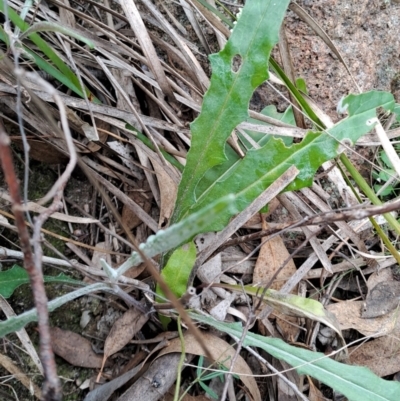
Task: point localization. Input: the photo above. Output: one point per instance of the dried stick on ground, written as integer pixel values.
(33, 263)
(51, 389)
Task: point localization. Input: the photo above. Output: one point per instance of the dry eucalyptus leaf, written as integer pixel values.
(382, 355)
(348, 314)
(314, 393)
(222, 352)
(43, 151)
(123, 331)
(131, 219)
(273, 254)
(74, 348)
(168, 191)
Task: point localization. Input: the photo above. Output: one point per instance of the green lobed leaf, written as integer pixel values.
(226, 102)
(178, 268)
(250, 176)
(270, 111)
(396, 111)
(12, 278)
(357, 104)
(354, 382)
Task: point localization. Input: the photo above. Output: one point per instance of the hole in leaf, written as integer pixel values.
(236, 62)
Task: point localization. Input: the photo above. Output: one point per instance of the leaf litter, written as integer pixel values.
(180, 75)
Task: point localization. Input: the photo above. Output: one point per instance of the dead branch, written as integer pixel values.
(51, 388)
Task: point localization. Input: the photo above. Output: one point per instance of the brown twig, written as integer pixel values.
(33, 264)
(51, 389)
(353, 213)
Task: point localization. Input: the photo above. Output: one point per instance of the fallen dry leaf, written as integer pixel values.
(273, 254)
(314, 393)
(168, 191)
(130, 219)
(123, 331)
(348, 314)
(383, 294)
(74, 348)
(382, 355)
(221, 351)
(352, 314)
(43, 151)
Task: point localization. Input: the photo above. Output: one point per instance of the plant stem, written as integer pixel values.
(363, 185)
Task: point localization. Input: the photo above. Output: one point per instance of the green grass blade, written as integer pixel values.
(52, 71)
(46, 49)
(296, 94)
(354, 382)
(216, 12)
(46, 26)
